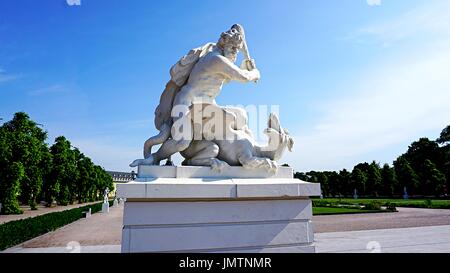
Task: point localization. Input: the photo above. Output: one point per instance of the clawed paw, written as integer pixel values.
(271, 166)
(136, 163)
(148, 161)
(218, 165)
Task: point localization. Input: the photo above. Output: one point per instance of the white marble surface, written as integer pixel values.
(171, 213)
(232, 212)
(211, 237)
(218, 226)
(196, 188)
(146, 173)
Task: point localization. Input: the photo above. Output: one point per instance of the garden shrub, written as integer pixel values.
(373, 205)
(321, 203)
(391, 207)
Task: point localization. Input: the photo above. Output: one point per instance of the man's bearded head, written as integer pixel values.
(230, 43)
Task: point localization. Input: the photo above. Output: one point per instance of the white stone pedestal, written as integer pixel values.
(192, 209)
(105, 207)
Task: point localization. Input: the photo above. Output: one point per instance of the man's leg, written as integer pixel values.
(182, 136)
(168, 148)
(204, 153)
(180, 141)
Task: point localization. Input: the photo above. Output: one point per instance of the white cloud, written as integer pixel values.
(4, 77)
(73, 2)
(53, 89)
(112, 156)
(131, 124)
(431, 19)
(404, 96)
(373, 2)
(396, 102)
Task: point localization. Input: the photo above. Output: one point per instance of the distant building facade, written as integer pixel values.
(120, 177)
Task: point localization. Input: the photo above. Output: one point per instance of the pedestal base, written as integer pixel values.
(218, 215)
(105, 207)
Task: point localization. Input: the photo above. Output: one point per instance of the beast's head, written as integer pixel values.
(279, 138)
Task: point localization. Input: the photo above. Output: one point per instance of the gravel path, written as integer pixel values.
(406, 217)
(106, 229)
(99, 229)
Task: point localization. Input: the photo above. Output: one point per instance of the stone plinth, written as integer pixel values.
(229, 212)
(105, 207)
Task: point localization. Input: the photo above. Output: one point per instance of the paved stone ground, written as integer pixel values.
(434, 239)
(430, 239)
(102, 232)
(27, 212)
(68, 249)
(406, 217)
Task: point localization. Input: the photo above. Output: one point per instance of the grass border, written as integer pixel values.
(356, 211)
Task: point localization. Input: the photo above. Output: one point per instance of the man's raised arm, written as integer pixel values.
(233, 72)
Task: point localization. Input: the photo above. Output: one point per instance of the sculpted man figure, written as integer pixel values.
(190, 122)
(198, 79)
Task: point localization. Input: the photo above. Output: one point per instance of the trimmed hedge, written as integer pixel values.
(331, 204)
(412, 203)
(15, 232)
(372, 206)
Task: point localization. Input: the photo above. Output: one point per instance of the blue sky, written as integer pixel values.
(355, 80)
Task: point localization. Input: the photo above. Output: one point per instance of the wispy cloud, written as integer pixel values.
(131, 124)
(428, 20)
(108, 154)
(5, 77)
(403, 96)
(396, 103)
(53, 89)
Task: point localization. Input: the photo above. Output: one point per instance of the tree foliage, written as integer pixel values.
(388, 180)
(444, 138)
(373, 179)
(9, 188)
(434, 181)
(31, 172)
(424, 169)
(27, 146)
(358, 180)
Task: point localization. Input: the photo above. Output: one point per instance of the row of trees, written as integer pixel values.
(423, 170)
(31, 171)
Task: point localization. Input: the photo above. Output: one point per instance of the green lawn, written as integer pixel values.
(330, 210)
(417, 203)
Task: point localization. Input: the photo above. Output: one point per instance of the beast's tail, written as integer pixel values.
(163, 135)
